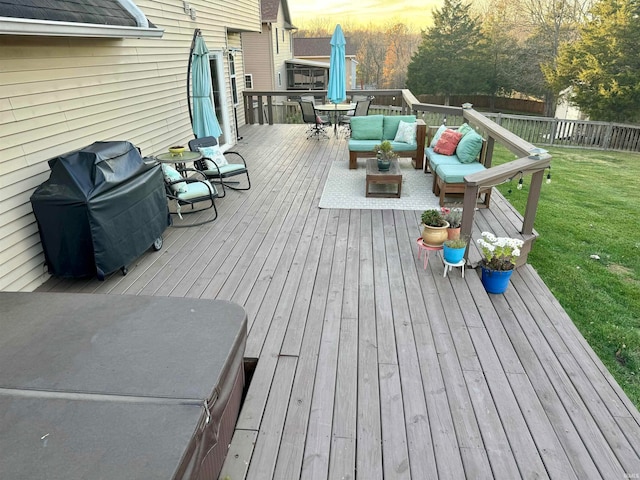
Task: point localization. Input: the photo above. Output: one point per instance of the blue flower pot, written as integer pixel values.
(495, 281)
(452, 255)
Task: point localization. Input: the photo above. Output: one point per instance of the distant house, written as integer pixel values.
(309, 69)
(78, 72)
(266, 52)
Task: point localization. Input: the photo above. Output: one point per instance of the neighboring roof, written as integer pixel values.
(99, 18)
(270, 12)
(317, 47)
(307, 63)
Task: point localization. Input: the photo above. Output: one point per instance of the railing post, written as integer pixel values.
(607, 136)
(532, 202)
(554, 130)
(270, 109)
(248, 109)
(260, 112)
(468, 209)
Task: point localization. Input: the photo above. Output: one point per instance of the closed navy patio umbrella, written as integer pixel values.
(204, 121)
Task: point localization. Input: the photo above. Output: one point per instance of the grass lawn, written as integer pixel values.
(589, 210)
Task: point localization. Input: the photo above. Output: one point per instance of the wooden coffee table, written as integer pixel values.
(375, 177)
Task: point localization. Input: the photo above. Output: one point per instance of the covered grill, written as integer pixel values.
(101, 208)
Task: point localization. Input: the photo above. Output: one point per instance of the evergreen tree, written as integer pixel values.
(603, 66)
(450, 59)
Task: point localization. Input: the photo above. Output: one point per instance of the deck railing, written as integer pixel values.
(524, 165)
(571, 133)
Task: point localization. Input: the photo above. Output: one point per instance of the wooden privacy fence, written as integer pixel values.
(571, 133)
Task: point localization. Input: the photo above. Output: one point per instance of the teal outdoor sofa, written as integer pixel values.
(368, 131)
(449, 170)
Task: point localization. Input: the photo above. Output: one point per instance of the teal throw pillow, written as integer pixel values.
(391, 122)
(469, 147)
(367, 127)
(465, 128)
(436, 136)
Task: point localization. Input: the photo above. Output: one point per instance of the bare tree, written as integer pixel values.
(551, 23)
(371, 55)
(401, 44)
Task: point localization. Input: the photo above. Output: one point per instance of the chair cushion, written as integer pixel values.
(437, 159)
(213, 153)
(448, 142)
(212, 171)
(403, 147)
(406, 132)
(456, 173)
(197, 190)
(391, 122)
(367, 127)
(437, 135)
(469, 147)
(172, 175)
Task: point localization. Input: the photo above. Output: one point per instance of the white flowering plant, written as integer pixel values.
(500, 253)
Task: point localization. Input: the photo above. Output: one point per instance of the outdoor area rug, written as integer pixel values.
(345, 189)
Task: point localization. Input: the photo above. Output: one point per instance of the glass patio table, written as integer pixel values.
(334, 109)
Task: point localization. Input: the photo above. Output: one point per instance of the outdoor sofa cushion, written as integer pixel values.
(391, 122)
(367, 127)
(367, 146)
(456, 173)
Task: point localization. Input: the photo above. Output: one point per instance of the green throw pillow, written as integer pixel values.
(469, 147)
(367, 127)
(465, 128)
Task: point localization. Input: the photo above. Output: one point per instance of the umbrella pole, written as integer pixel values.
(196, 32)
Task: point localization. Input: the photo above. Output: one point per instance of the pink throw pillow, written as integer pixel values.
(448, 142)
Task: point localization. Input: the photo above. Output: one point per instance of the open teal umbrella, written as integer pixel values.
(204, 121)
(337, 91)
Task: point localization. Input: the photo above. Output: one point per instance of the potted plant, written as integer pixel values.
(499, 260)
(453, 249)
(453, 215)
(434, 228)
(384, 154)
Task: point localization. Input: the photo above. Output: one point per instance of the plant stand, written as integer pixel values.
(426, 249)
(450, 266)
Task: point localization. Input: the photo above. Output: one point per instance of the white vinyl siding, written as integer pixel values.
(59, 94)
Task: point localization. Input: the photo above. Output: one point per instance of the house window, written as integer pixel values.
(232, 74)
(277, 42)
(248, 80)
(282, 36)
(279, 79)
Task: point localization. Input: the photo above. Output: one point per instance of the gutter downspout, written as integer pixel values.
(135, 12)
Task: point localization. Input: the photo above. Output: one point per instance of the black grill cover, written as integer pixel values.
(101, 208)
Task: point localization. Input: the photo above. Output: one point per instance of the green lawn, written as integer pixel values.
(588, 209)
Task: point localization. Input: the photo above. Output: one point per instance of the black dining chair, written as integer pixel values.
(316, 122)
(216, 164)
(361, 110)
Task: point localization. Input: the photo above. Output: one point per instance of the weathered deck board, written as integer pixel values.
(371, 367)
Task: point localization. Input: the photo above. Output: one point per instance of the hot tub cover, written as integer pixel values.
(101, 208)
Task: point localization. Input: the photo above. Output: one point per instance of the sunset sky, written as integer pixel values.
(413, 12)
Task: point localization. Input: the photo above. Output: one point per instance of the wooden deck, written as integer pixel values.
(370, 367)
